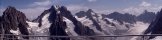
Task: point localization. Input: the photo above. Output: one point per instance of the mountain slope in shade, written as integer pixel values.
(146, 17)
(122, 17)
(155, 26)
(14, 22)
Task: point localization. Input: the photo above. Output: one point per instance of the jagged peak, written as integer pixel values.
(63, 8)
(145, 11)
(90, 10)
(52, 8)
(10, 9)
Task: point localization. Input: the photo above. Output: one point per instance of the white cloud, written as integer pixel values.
(103, 11)
(33, 12)
(36, 8)
(145, 4)
(133, 10)
(42, 3)
(137, 10)
(92, 0)
(76, 8)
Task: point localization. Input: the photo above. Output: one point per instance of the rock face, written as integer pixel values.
(90, 14)
(14, 20)
(79, 27)
(57, 27)
(1, 25)
(155, 26)
(146, 17)
(122, 17)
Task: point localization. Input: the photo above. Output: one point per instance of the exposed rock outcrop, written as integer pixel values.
(13, 19)
(155, 26)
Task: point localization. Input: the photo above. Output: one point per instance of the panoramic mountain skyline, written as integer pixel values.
(58, 21)
(33, 8)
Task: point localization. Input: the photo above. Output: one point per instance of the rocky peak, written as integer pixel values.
(122, 17)
(146, 17)
(10, 9)
(53, 11)
(12, 15)
(90, 10)
(92, 16)
(81, 14)
(155, 26)
(63, 8)
(14, 20)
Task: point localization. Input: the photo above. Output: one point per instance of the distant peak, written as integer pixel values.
(145, 11)
(10, 7)
(52, 8)
(63, 8)
(90, 10)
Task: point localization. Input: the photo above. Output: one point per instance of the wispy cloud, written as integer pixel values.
(36, 8)
(76, 8)
(92, 0)
(33, 12)
(145, 4)
(141, 7)
(42, 3)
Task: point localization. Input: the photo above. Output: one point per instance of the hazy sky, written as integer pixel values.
(33, 8)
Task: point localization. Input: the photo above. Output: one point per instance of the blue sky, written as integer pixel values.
(33, 8)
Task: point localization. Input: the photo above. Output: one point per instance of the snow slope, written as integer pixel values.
(43, 30)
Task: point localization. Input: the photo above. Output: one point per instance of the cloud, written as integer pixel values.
(104, 11)
(36, 8)
(76, 8)
(145, 4)
(137, 10)
(32, 13)
(42, 3)
(92, 0)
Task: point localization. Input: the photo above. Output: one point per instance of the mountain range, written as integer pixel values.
(58, 21)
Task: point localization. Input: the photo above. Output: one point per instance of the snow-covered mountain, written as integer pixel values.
(58, 21)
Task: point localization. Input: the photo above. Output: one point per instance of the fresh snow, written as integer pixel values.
(157, 38)
(70, 27)
(87, 22)
(138, 29)
(41, 31)
(15, 32)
